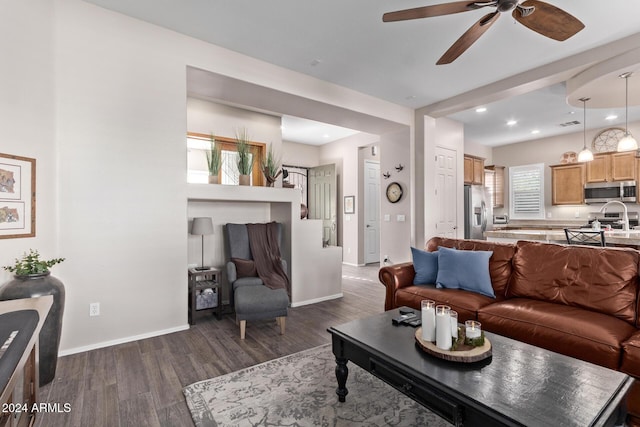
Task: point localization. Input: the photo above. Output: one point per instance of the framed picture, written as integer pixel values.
(17, 196)
(349, 204)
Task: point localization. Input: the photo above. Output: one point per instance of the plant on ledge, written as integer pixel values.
(271, 167)
(30, 263)
(214, 160)
(245, 158)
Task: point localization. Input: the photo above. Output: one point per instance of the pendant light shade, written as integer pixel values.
(628, 142)
(585, 155)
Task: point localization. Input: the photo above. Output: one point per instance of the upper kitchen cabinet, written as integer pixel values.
(473, 170)
(567, 184)
(608, 167)
(494, 181)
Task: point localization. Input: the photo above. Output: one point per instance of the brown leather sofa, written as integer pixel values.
(576, 300)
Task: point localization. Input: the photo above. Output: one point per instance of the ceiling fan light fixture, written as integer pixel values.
(585, 155)
(628, 142)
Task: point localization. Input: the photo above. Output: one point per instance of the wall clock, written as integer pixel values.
(394, 192)
(607, 140)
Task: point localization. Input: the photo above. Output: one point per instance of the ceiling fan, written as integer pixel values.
(536, 15)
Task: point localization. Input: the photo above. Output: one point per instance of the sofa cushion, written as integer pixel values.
(499, 263)
(425, 265)
(597, 279)
(464, 302)
(575, 332)
(631, 356)
(468, 270)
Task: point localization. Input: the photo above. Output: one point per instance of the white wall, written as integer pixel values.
(27, 117)
(304, 155)
(395, 236)
(100, 100)
(478, 150)
(549, 151)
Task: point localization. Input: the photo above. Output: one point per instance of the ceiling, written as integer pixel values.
(348, 44)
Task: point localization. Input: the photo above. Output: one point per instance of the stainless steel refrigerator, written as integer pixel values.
(478, 212)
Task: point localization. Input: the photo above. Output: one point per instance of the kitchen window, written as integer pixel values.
(526, 191)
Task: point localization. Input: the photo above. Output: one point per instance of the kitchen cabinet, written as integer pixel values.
(473, 170)
(567, 184)
(494, 181)
(607, 167)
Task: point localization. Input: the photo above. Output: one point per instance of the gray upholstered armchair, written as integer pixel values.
(249, 296)
(237, 247)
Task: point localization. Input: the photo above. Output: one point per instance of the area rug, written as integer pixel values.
(300, 390)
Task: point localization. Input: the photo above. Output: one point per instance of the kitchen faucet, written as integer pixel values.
(625, 217)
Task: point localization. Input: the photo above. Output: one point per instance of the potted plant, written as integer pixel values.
(271, 167)
(33, 279)
(245, 157)
(214, 160)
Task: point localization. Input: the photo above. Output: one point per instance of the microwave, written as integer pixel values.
(602, 192)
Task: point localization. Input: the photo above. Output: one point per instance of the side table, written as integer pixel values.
(199, 280)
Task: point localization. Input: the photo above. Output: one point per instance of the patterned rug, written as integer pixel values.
(300, 390)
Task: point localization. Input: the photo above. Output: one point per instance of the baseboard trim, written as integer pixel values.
(316, 300)
(353, 265)
(122, 340)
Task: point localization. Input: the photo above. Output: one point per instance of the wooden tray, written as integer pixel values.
(464, 353)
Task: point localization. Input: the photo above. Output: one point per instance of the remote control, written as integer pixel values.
(403, 318)
(415, 323)
(405, 310)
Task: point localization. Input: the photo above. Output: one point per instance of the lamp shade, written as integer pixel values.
(585, 155)
(202, 226)
(627, 143)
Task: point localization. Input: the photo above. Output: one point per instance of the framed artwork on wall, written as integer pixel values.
(349, 204)
(17, 196)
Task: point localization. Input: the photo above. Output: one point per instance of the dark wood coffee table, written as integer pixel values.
(520, 385)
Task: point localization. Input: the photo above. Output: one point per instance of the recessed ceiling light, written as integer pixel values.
(481, 109)
(512, 122)
(326, 135)
(611, 117)
(315, 62)
(535, 131)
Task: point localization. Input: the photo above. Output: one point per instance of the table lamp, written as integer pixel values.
(201, 227)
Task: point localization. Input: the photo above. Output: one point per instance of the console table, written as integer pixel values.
(200, 280)
(20, 323)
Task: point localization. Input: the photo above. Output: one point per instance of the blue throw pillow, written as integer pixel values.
(468, 270)
(426, 266)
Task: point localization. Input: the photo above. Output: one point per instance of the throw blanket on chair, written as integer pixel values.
(263, 241)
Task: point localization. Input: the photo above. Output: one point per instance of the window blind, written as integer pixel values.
(526, 184)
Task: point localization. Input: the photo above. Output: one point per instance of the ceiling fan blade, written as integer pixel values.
(468, 38)
(435, 10)
(548, 20)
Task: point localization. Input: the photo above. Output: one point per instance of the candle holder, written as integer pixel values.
(473, 333)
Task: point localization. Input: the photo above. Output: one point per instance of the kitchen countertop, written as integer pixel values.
(618, 237)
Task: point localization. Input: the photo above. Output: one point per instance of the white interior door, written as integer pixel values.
(446, 206)
(323, 199)
(371, 211)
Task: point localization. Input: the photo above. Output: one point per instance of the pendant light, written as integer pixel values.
(585, 155)
(628, 142)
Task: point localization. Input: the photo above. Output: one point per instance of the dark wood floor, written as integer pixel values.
(140, 383)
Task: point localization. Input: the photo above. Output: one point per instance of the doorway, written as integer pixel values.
(446, 206)
(323, 199)
(371, 211)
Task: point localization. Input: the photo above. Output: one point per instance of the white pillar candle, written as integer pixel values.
(443, 328)
(454, 324)
(472, 329)
(428, 320)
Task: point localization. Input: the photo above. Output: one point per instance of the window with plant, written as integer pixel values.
(199, 145)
